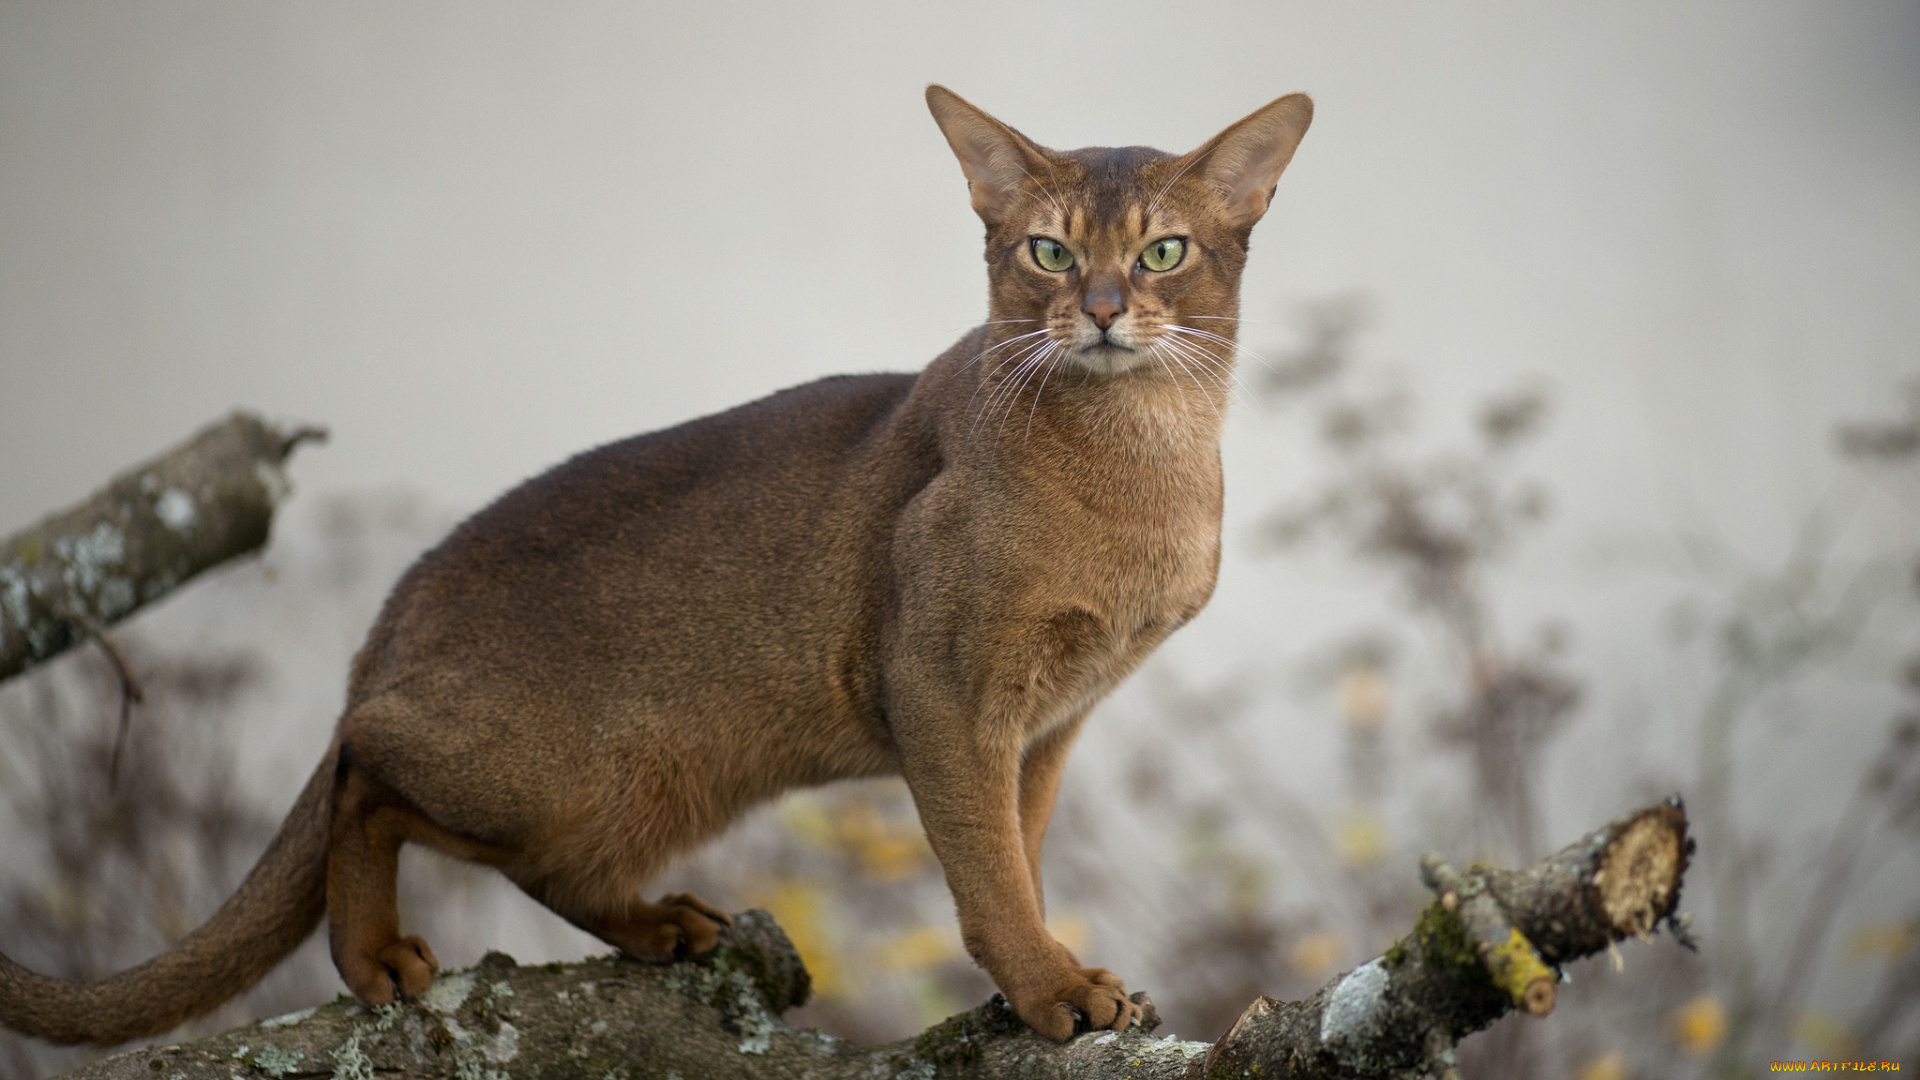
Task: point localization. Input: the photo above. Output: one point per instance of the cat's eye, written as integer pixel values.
(1164, 254)
(1051, 255)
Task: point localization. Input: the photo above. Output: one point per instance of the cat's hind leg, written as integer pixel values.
(678, 924)
(363, 911)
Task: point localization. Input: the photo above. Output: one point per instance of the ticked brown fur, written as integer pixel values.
(933, 576)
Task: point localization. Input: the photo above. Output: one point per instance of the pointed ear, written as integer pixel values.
(1243, 163)
(996, 158)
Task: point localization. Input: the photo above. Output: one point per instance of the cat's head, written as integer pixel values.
(1119, 259)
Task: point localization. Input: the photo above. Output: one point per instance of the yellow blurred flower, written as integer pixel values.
(1316, 955)
(932, 1002)
(1826, 1037)
(856, 822)
(1700, 1026)
(796, 906)
(895, 858)
(887, 851)
(1362, 837)
(1890, 941)
(1611, 1065)
(805, 819)
(919, 949)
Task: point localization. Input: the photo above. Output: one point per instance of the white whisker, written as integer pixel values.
(1000, 364)
(1036, 397)
(1219, 367)
(1022, 359)
(1018, 380)
(1239, 349)
(1180, 356)
(1166, 365)
(1002, 345)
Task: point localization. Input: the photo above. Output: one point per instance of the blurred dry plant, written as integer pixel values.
(1770, 630)
(1435, 522)
(120, 871)
(103, 871)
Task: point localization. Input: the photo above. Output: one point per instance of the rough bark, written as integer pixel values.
(137, 539)
(1490, 943)
(1486, 946)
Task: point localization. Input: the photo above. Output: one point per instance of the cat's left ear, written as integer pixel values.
(1243, 163)
(998, 160)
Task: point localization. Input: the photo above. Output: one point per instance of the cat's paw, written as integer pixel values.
(1095, 1000)
(1103, 977)
(402, 968)
(678, 925)
(699, 922)
(413, 964)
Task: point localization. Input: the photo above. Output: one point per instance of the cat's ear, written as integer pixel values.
(996, 158)
(1243, 163)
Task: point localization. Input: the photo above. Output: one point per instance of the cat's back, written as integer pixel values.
(712, 521)
(631, 488)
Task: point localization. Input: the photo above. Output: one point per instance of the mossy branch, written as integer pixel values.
(153, 527)
(1488, 945)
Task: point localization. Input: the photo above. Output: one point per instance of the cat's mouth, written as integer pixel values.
(1109, 357)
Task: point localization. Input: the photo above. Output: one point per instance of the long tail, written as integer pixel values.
(272, 913)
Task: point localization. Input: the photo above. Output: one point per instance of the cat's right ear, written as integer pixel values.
(997, 159)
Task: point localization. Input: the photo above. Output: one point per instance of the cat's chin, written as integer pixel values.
(1110, 359)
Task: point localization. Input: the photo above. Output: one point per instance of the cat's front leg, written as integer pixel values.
(1040, 770)
(966, 784)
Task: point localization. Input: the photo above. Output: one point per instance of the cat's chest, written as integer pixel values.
(1090, 619)
(1150, 571)
(1141, 557)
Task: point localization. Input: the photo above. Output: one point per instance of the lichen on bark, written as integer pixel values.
(149, 530)
(719, 1015)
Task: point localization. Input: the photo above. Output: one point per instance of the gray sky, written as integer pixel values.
(475, 238)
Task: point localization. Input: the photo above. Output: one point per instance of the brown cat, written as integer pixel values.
(934, 576)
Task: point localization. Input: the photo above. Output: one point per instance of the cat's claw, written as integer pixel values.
(699, 923)
(677, 926)
(403, 968)
(1097, 1001)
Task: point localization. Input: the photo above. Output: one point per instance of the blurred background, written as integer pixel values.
(1577, 460)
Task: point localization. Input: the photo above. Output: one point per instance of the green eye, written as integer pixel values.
(1164, 254)
(1051, 255)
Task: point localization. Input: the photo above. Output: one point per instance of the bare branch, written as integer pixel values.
(1488, 945)
(137, 539)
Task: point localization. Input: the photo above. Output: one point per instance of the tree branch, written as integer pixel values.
(137, 539)
(1489, 944)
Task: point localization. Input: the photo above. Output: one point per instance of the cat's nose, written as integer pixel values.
(1103, 305)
